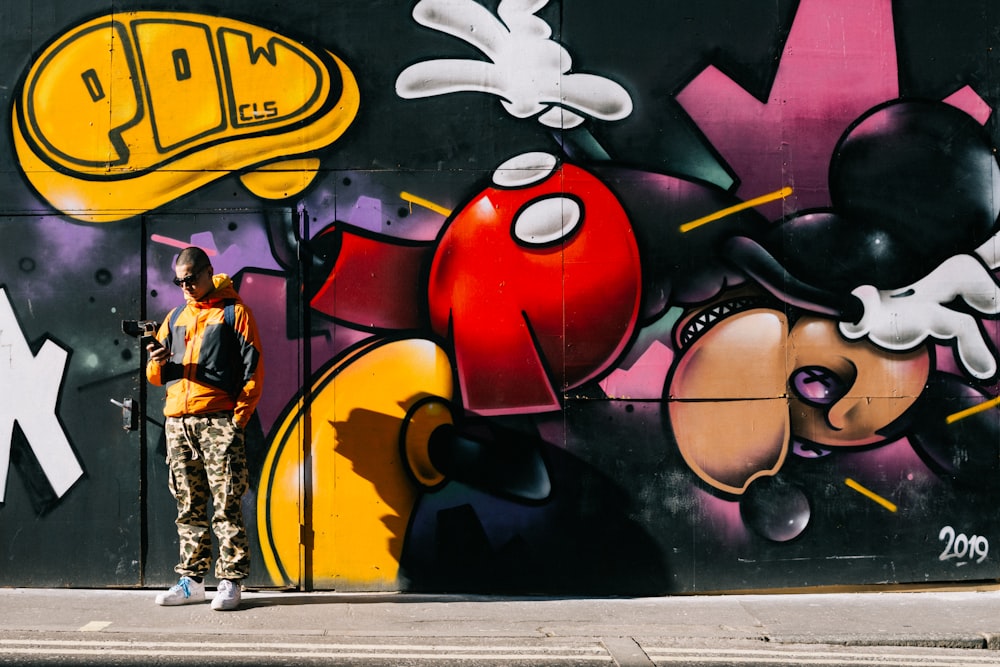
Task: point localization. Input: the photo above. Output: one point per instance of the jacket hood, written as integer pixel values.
(223, 290)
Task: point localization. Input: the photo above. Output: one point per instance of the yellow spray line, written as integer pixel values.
(426, 203)
(763, 199)
(968, 412)
(871, 495)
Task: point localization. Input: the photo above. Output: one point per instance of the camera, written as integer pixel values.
(144, 330)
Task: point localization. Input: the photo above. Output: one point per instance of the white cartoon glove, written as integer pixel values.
(902, 319)
(529, 71)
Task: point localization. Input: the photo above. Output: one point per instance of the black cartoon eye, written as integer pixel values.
(818, 385)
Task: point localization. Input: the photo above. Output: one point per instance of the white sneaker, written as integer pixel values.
(227, 596)
(185, 591)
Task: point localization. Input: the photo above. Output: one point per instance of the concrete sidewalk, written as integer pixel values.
(963, 618)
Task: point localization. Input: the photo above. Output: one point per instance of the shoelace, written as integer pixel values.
(183, 584)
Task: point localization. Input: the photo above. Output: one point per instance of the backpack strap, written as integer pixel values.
(172, 317)
(229, 313)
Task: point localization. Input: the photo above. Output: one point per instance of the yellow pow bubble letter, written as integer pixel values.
(124, 113)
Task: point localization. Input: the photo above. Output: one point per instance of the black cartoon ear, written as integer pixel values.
(922, 172)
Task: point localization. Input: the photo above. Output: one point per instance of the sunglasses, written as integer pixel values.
(189, 280)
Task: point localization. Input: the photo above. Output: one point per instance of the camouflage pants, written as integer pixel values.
(206, 455)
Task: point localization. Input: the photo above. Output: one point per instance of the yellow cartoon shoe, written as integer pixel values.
(367, 421)
(125, 113)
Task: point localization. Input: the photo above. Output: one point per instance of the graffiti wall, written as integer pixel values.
(554, 298)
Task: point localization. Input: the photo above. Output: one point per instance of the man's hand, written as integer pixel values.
(157, 352)
(902, 319)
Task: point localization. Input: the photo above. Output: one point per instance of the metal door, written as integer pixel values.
(71, 467)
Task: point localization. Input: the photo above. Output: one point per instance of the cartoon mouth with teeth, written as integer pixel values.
(125, 113)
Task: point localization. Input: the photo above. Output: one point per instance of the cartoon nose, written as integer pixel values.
(839, 415)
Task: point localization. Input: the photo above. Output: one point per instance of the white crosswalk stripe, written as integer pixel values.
(589, 652)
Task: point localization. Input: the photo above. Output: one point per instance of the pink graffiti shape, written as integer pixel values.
(970, 102)
(839, 60)
(177, 243)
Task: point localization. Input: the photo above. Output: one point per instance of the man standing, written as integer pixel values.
(208, 354)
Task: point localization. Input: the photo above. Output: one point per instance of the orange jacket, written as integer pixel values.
(212, 367)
